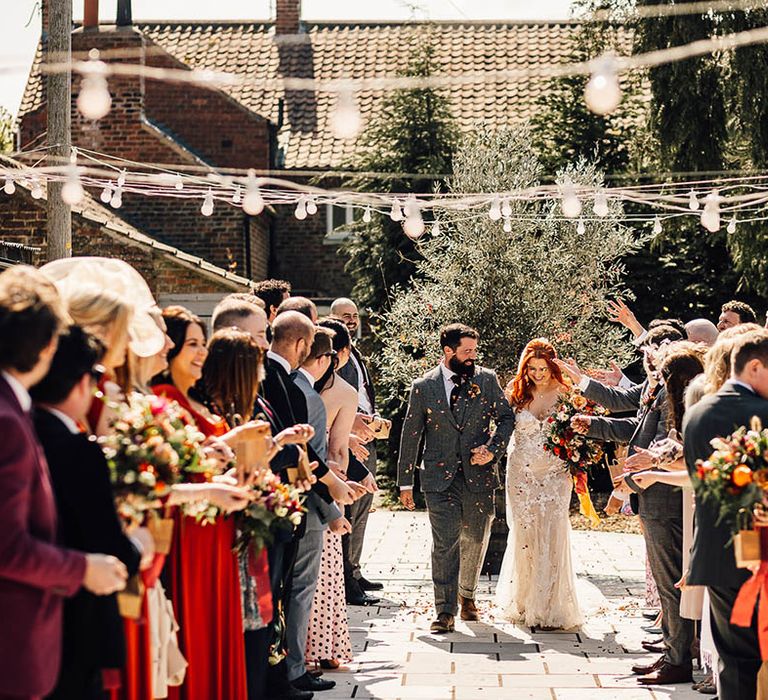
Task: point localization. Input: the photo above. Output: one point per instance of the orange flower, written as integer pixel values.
(741, 476)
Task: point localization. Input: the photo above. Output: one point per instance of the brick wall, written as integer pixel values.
(23, 220)
(287, 15)
(206, 119)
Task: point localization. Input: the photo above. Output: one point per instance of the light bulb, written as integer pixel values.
(693, 202)
(311, 206)
(414, 226)
(731, 228)
(236, 196)
(301, 209)
(580, 228)
(603, 92)
(435, 228)
(253, 202)
(10, 186)
(396, 213)
(571, 205)
(710, 217)
(37, 189)
(179, 183)
(121, 179)
(106, 194)
(207, 208)
(601, 204)
(506, 209)
(494, 213)
(117, 199)
(411, 207)
(507, 225)
(72, 191)
(657, 226)
(346, 121)
(94, 100)
(367, 215)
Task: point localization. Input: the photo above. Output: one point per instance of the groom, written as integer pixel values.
(452, 407)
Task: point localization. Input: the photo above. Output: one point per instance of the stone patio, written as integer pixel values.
(397, 657)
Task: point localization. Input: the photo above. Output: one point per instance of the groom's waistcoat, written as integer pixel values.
(450, 435)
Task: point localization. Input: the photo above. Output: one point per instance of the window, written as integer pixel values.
(339, 217)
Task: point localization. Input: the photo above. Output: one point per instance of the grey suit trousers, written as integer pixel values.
(664, 545)
(305, 574)
(461, 527)
(352, 544)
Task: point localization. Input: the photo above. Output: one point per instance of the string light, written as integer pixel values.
(207, 208)
(346, 121)
(435, 231)
(72, 191)
(236, 196)
(494, 213)
(710, 216)
(601, 204)
(10, 186)
(311, 206)
(396, 213)
(693, 202)
(253, 202)
(117, 198)
(506, 209)
(301, 209)
(603, 92)
(179, 183)
(580, 228)
(106, 194)
(37, 189)
(507, 225)
(94, 100)
(657, 226)
(731, 228)
(570, 203)
(414, 223)
(367, 214)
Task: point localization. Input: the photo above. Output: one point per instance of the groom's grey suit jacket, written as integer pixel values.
(448, 437)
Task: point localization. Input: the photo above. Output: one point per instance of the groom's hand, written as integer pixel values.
(481, 455)
(406, 498)
(581, 423)
(571, 369)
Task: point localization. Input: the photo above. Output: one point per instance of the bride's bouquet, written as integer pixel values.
(579, 452)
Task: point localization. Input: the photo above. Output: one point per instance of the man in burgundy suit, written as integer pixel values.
(34, 572)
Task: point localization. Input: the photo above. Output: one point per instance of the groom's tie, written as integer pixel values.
(457, 382)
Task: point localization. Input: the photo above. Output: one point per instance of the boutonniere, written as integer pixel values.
(473, 391)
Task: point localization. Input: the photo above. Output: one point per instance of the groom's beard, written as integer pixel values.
(463, 369)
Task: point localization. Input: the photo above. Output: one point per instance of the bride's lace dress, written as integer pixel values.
(536, 584)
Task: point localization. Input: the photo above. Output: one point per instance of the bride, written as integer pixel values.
(536, 585)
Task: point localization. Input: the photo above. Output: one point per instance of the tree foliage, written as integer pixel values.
(414, 134)
(6, 131)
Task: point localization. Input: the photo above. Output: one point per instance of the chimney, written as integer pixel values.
(124, 13)
(286, 15)
(91, 14)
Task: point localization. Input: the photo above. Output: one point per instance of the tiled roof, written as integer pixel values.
(357, 50)
(95, 212)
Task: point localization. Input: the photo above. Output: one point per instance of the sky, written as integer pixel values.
(20, 28)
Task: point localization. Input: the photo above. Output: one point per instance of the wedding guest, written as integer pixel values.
(319, 514)
(701, 330)
(238, 311)
(712, 561)
(92, 636)
(356, 373)
(272, 293)
(302, 305)
(35, 573)
(734, 313)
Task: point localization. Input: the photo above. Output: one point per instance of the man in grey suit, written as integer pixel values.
(451, 409)
(659, 506)
(712, 560)
(319, 516)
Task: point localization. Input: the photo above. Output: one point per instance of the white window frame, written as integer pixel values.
(336, 236)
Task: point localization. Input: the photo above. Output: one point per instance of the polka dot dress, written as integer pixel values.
(328, 636)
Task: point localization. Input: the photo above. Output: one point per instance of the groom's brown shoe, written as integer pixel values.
(443, 624)
(468, 609)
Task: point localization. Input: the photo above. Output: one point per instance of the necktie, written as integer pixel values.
(457, 382)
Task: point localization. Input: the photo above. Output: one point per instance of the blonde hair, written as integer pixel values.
(717, 363)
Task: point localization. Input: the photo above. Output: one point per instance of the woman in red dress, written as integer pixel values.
(203, 573)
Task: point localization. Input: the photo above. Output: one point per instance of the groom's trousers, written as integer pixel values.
(461, 527)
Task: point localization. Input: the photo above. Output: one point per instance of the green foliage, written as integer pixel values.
(6, 131)
(414, 134)
(540, 279)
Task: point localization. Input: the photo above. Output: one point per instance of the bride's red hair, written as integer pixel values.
(522, 386)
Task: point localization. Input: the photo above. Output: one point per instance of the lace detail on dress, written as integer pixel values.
(536, 584)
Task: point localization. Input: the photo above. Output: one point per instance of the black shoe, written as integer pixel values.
(367, 585)
(289, 692)
(357, 596)
(308, 682)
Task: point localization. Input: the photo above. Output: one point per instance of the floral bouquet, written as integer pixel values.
(276, 509)
(153, 446)
(578, 451)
